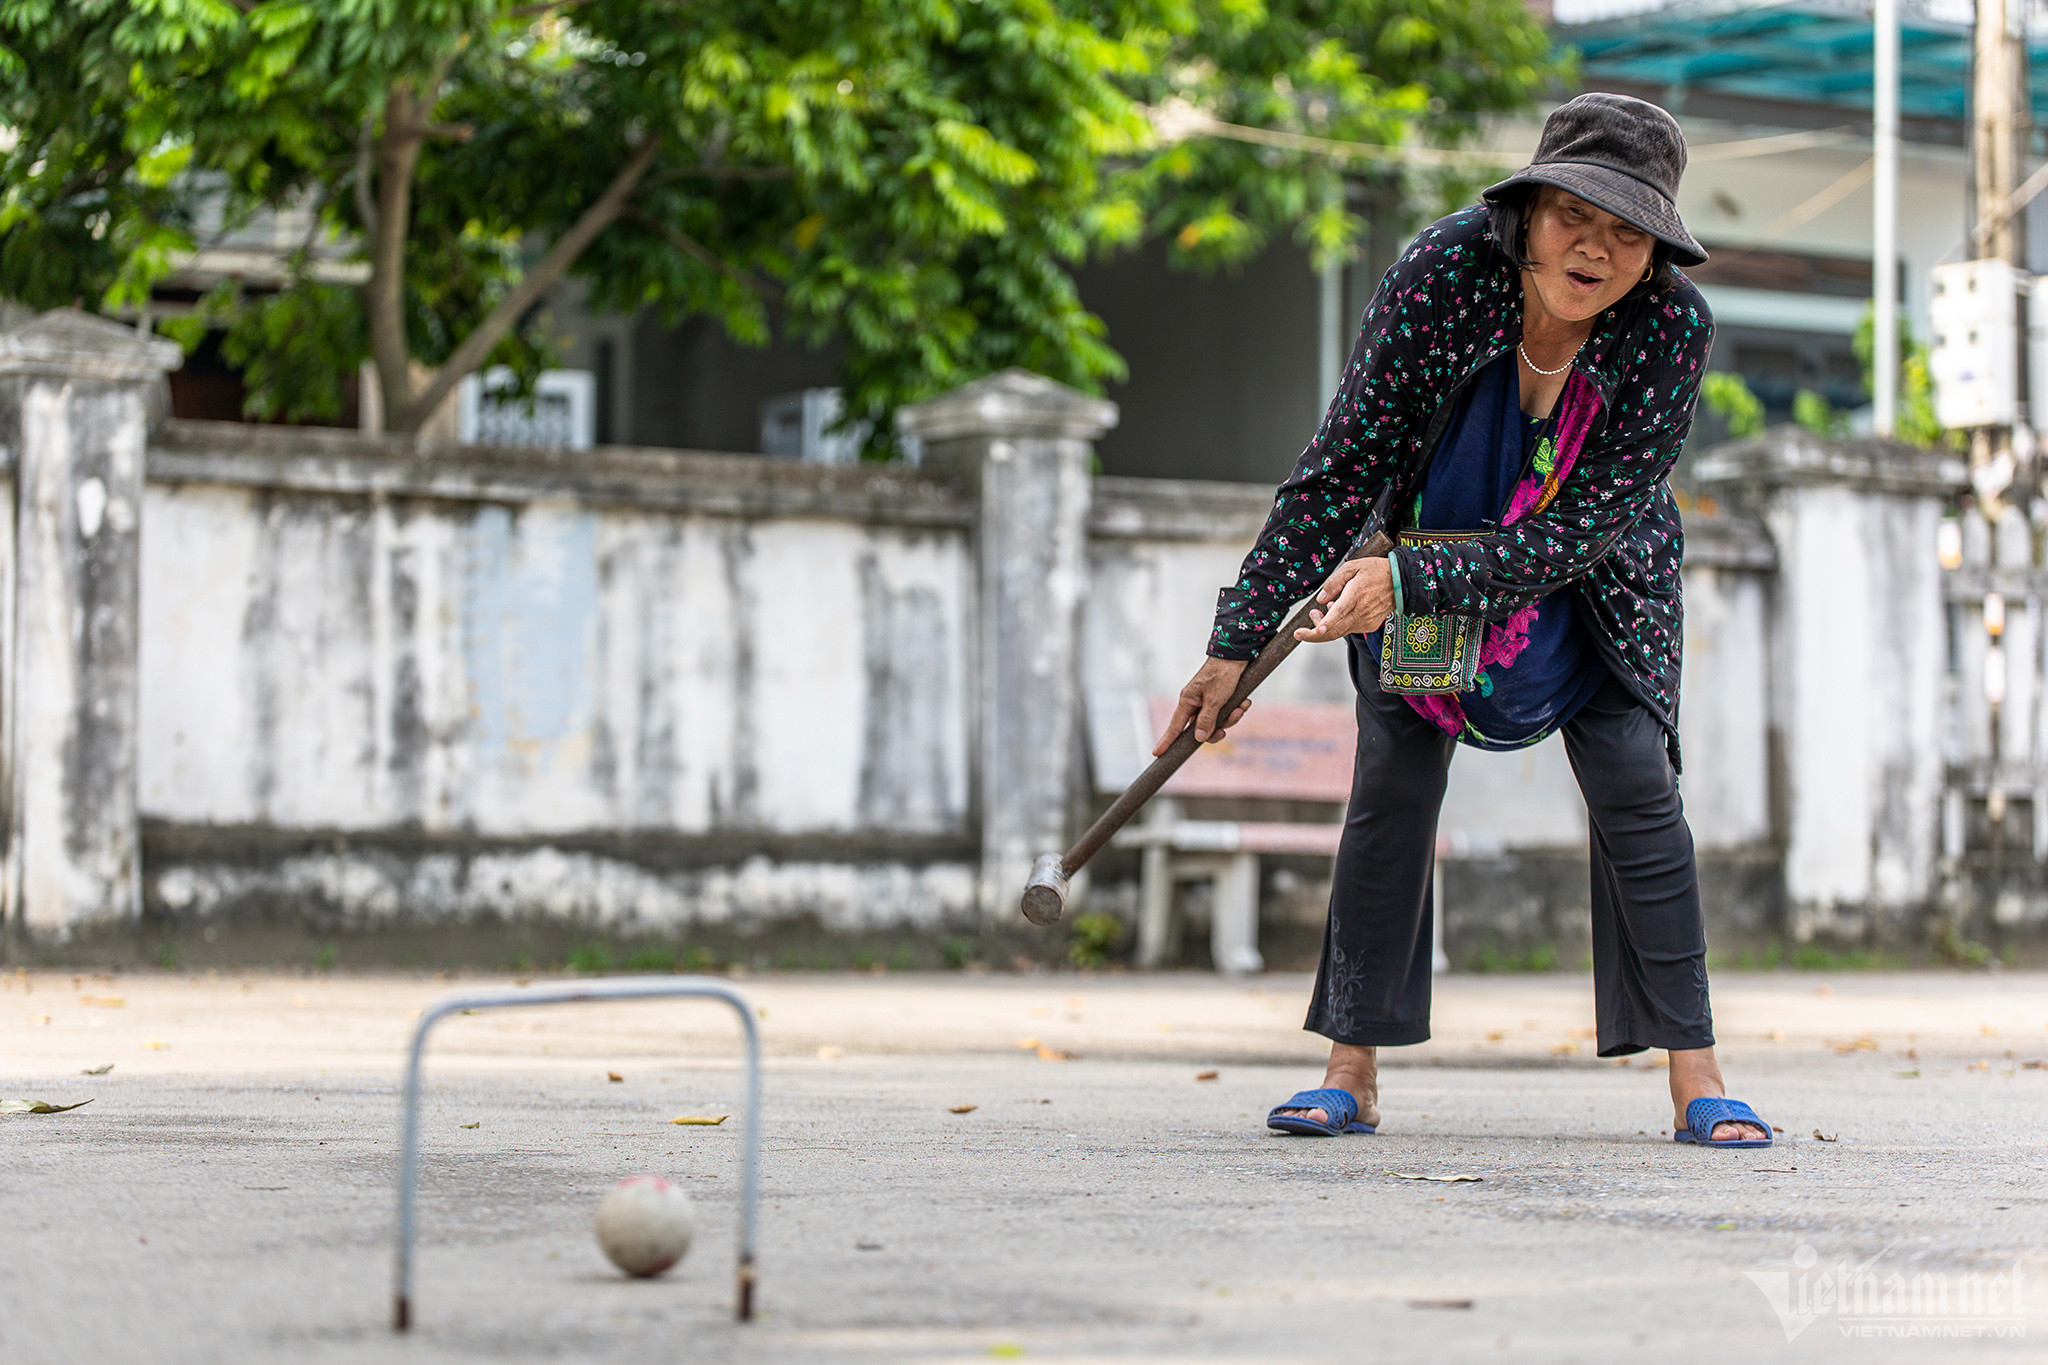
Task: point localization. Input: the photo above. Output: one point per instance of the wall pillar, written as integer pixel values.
(1023, 443)
(76, 394)
(1856, 658)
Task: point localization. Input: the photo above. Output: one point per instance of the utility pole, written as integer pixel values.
(1884, 264)
(1999, 120)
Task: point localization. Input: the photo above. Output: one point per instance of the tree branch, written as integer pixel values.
(454, 132)
(704, 255)
(318, 207)
(501, 319)
(721, 173)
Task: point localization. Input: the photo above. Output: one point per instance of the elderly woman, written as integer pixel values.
(1522, 382)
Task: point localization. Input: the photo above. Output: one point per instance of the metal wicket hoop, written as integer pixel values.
(621, 988)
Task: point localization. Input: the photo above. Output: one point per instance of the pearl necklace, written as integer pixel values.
(1524, 351)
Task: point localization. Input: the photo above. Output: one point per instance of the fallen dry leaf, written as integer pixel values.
(1440, 1179)
(613, 1076)
(1819, 1136)
(478, 1124)
(1440, 1303)
(37, 1106)
(2034, 1066)
(156, 1044)
(1494, 1035)
(1776, 1035)
(97, 1070)
(1864, 1044)
(1205, 1075)
(700, 1121)
(1563, 1049)
(1980, 1066)
(1027, 1044)
(963, 1108)
(1053, 1054)
(36, 1020)
(1988, 1030)
(828, 1053)
(102, 1002)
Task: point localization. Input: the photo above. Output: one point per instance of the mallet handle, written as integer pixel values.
(1184, 744)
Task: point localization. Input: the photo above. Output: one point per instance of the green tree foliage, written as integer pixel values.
(1812, 410)
(915, 178)
(1728, 395)
(1913, 421)
(1381, 72)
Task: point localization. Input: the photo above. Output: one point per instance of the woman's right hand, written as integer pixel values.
(1201, 699)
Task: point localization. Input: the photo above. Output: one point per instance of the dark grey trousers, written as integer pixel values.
(1649, 940)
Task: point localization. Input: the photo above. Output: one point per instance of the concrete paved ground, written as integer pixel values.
(227, 1196)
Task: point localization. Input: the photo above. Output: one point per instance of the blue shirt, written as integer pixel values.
(1484, 453)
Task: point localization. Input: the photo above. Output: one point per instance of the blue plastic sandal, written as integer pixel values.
(1704, 1113)
(1338, 1104)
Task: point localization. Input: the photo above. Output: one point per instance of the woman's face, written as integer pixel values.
(1582, 258)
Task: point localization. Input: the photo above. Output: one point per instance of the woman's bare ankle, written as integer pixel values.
(1355, 1070)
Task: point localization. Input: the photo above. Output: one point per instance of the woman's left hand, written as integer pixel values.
(1358, 599)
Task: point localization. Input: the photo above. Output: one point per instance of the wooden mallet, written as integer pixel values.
(1045, 895)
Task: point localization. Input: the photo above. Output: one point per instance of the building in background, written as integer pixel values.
(1229, 373)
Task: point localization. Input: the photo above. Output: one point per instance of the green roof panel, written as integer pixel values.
(1806, 53)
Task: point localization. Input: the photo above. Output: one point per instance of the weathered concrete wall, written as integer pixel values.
(1856, 647)
(1020, 442)
(732, 688)
(357, 682)
(76, 398)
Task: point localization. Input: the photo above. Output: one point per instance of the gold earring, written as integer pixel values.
(1647, 273)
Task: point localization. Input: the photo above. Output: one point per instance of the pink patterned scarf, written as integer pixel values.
(1505, 640)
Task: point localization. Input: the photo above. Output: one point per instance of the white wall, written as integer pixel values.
(349, 663)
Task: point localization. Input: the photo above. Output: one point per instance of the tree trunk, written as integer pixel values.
(397, 156)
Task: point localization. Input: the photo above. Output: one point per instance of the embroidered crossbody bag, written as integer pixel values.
(1435, 654)
(1438, 654)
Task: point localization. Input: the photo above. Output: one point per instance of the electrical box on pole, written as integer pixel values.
(1974, 361)
(2037, 352)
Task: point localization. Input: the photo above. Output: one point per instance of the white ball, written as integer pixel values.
(645, 1224)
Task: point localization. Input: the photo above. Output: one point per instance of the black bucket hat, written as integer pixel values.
(1624, 155)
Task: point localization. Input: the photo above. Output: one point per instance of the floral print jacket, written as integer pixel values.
(1611, 532)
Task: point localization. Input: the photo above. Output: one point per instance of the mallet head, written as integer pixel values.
(1045, 895)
